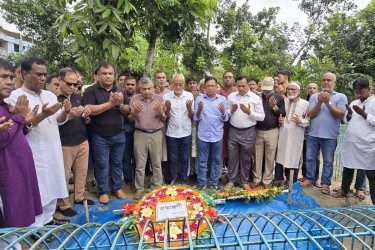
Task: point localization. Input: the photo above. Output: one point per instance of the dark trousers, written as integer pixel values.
(347, 178)
(371, 179)
(128, 161)
(240, 152)
(179, 149)
(280, 170)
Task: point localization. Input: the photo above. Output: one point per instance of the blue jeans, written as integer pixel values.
(328, 147)
(108, 154)
(128, 161)
(179, 148)
(204, 149)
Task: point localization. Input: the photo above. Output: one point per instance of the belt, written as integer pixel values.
(241, 129)
(266, 129)
(148, 131)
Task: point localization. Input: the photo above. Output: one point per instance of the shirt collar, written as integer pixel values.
(183, 94)
(30, 91)
(99, 86)
(205, 96)
(247, 94)
(152, 98)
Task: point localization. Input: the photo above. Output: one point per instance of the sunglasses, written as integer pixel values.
(70, 84)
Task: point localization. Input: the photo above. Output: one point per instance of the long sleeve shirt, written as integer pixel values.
(210, 126)
(239, 119)
(271, 119)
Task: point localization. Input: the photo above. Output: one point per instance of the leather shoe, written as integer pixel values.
(229, 186)
(104, 198)
(254, 185)
(89, 202)
(69, 212)
(138, 194)
(57, 222)
(245, 186)
(120, 194)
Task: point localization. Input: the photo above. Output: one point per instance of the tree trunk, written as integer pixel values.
(150, 53)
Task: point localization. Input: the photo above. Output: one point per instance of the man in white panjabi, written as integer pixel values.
(291, 136)
(44, 138)
(358, 147)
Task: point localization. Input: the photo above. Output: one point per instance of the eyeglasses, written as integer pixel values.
(70, 84)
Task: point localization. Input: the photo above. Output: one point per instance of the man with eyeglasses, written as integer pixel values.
(74, 140)
(108, 104)
(291, 135)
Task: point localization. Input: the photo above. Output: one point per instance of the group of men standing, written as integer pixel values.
(131, 125)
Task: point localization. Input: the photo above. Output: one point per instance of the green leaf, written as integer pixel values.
(115, 52)
(106, 43)
(119, 3)
(106, 13)
(91, 3)
(104, 26)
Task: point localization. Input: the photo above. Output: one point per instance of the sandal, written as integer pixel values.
(317, 185)
(338, 189)
(360, 194)
(306, 183)
(301, 179)
(325, 189)
(340, 194)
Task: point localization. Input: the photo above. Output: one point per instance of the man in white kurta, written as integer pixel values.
(291, 136)
(358, 147)
(43, 137)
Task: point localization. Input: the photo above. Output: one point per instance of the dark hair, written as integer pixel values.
(285, 73)
(253, 79)
(50, 77)
(96, 71)
(239, 78)
(5, 64)
(190, 78)
(18, 64)
(130, 77)
(106, 65)
(63, 72)
(159, 71)
(228, 72)
(122, 74)
(27, 63)
(361, 83)
(209, 78)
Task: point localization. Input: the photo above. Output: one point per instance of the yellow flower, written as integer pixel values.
(146, 212)
(198, 207)
(174, 231)
(171, 191)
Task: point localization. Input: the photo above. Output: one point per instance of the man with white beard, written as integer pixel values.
(290, 145)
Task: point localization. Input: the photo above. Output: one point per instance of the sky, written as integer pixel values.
(289, 12)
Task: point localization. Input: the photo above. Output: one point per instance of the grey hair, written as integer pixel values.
(176, 74)
(144, 80)
(334, 76)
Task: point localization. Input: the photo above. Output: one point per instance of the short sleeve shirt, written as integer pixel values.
(325, 125)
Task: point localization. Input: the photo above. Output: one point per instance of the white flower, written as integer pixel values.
(171, 191)
(174, 231)
(146, 212)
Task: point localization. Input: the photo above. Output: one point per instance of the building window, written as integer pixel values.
(16, 48)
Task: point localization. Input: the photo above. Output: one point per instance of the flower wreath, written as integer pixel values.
(198, 205)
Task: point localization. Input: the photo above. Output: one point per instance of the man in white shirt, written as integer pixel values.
(44, 138)
(358, 147)
(179, 111)
(246, 109)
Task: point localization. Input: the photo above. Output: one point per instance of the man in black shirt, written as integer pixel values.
(267, 134)
(109, 104)
(73, 139)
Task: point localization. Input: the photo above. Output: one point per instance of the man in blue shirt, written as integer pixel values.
(210, 112)
(326, 109)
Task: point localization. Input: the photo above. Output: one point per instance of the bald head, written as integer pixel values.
(328, 82)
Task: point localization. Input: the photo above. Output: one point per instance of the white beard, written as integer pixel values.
(292, 97)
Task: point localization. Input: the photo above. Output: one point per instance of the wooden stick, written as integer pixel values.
(86, 211)
(290, 191)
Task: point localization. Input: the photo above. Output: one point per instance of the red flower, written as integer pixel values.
(129, 208)
(212, 212)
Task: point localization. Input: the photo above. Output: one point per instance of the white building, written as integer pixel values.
(12, 42)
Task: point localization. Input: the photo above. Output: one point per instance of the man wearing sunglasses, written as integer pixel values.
(74, 142)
